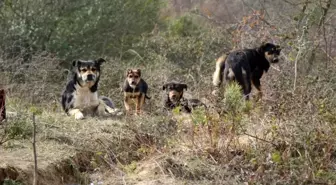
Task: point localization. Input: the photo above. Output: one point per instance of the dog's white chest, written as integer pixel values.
(84, 98)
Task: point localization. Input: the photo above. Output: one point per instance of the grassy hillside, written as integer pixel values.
(288, 137)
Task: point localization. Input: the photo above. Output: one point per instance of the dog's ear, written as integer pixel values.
(184, 86)
(100, 61)
(75, 63)
(265, 46)
(139, 71)
(128, 71)
(164, 87)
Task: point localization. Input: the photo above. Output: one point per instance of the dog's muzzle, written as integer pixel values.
(275, 60)
(174, 98)
(90, 78)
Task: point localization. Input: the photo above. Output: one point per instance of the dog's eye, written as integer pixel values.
(84, 70)
(130, 76)
(93, 69)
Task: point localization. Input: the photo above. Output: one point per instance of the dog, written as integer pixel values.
(246, 67)
(135, 90)
(80, 96)
(174, 98)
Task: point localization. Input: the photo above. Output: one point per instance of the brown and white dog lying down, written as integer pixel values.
(80, 97)
(135, 90)
(174, 98)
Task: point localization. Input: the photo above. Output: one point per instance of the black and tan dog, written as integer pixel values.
(80, 96)
(174, 98)
(135, 90)
(246, 66)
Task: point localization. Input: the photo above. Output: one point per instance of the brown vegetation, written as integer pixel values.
(286, 138)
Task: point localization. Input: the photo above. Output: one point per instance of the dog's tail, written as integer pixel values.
(107, 101)
(218, 74)
(109, 106)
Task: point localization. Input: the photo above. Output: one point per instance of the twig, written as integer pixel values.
(258, 138)
(34, 150)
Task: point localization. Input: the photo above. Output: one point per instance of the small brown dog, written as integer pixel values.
(135, 90)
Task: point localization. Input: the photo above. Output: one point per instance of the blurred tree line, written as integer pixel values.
(89, 28)
(76, 28)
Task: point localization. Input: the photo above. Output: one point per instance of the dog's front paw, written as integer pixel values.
(119, 113)
(259, 96)
(79, 116)
(113, 111)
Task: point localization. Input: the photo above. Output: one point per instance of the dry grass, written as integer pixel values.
(287, 138)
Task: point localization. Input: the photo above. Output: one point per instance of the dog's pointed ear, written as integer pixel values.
(164, 87)
(265, 46)
(185, 86)
(75, 63)
(139, 71)
(100, 61)
(128, 71)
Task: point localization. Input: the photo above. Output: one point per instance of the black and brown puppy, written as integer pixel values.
(80, 96)
(135, 90)
(174, 97)
(246, 66)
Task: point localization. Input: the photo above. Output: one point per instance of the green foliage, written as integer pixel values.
(233, 99)
(184, 26)
(199, 116)
(75, 28)
(130, 168)
(11, 182)
(18, 128)
(276, 157)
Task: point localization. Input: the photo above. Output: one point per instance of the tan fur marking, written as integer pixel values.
(217, 80)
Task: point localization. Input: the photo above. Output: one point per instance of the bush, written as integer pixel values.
(15, 129)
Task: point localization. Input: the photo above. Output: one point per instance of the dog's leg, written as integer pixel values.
(139, 103)
(256, 76)
(257, 85)
(126, 103)
(77, 113)
(243, 78)
(247, 83)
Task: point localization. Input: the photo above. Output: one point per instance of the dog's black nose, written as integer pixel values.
(275, 60)
(133, 83)
(174, 96)
(90, 77)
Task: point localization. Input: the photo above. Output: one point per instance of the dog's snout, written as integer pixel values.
(90, 77)
(133, 83)
(173, 96)
(275, 60)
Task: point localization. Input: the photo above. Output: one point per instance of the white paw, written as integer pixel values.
(215, 92)
(79, 115)
(114, 111)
